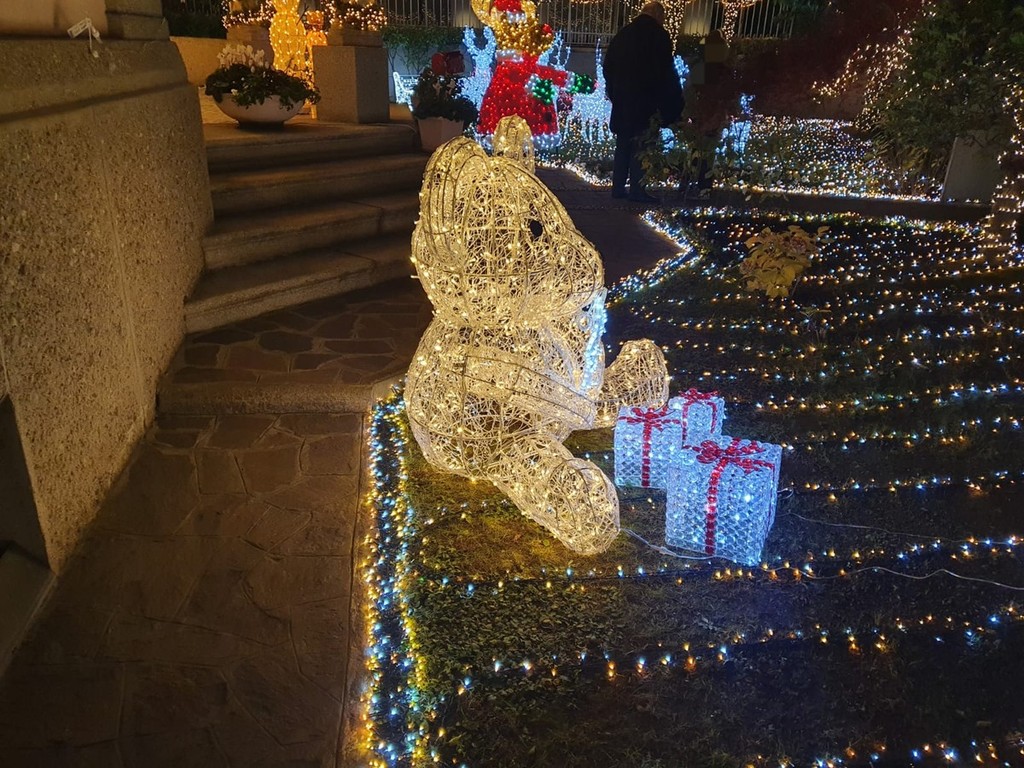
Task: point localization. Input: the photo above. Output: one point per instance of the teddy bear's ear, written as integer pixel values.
(438, 243)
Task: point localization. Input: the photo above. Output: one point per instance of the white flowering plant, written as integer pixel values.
(245, 76)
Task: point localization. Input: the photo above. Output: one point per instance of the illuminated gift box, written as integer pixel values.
(701, 415)
(646, 439)
(721, 497)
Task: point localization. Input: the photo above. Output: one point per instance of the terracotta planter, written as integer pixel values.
(435, 131)
(270, 112)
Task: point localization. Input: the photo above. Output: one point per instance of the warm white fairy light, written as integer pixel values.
(1004, 227)
(288, 39)
(513, 140)
(513, 360)
(732, 15)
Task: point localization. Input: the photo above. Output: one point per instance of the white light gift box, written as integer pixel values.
(701, 415)
(645, 439)
(722, 496)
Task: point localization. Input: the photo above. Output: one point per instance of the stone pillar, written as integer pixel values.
(136, 20)
(253, 35)
(353, 81)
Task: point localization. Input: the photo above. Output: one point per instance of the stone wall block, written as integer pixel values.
(64, 326)
(159, 195)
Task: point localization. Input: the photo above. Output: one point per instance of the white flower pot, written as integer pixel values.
(267, 113)
(435, 131)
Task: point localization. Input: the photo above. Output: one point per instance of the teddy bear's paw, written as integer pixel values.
(637, 378)
(573, 499)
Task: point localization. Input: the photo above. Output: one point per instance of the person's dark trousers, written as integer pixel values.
(627, 165)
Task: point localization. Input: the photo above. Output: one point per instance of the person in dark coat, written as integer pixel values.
(640, 80)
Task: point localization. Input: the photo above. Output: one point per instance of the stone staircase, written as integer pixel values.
(312, 211)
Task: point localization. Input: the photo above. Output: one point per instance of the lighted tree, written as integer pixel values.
(288, 39)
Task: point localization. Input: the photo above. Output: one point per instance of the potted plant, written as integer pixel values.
(440, 109)
(248, 90)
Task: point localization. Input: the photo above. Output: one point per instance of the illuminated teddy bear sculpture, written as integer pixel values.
(513, 361)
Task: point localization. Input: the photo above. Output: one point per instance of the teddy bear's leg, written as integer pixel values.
(638, 377)
(569, 496)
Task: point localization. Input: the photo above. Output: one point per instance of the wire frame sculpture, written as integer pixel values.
(512, 361)
(512, 139)
(722, 496)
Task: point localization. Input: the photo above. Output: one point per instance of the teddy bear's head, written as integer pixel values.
(493, 246)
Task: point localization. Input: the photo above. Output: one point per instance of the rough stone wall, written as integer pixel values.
(106, 198)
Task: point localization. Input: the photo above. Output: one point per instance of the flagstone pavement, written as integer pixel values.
(210, 616)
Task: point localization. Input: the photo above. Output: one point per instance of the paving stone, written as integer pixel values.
(104, 755)
(223, 515)
(67, 633)
(359, 346)
(312, 361)
(218, 472)
(135, 638)
(74, 704)
(284, 341)
(369, 363)
(211, 375)
(337, 493)
(239, 431)
(327, 533)
(250, 746)
(292, 320)
(176, 439)
(158, 492)
(219, 602)
(276, 525)
(160, 698)
(270, 469)
(341, 327)
(276, 437)
(319, 632)
(202, 355)
(222, 336)
(286, 580)
(312, 424)
(256, 324)
(193, 748)
(141, 575)
(288, 706)
(249, 359)
(173, 421)
(332, 455)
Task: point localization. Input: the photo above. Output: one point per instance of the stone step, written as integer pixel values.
(263, 235)
(241, 191)
(229, 147)
(237, 293)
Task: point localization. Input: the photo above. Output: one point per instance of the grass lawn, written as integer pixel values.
(894, 381)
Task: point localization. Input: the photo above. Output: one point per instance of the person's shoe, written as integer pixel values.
(643, 197)
(618, 194)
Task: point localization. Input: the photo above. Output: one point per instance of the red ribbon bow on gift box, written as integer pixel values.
(693, 397)
(652, 420)
(735, 455)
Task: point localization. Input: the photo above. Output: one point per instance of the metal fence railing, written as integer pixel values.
(582, 22)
